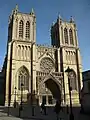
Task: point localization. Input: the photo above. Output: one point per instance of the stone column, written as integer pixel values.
(7, 75)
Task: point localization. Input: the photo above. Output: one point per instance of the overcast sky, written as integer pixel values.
(46, 12)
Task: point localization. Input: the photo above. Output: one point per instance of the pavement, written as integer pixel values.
(26, 114)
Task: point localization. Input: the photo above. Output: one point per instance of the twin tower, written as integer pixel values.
(41, 69)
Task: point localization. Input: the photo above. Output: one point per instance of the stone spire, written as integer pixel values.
(52, 24)
(32, 12)
(16, 8)
(59, 17)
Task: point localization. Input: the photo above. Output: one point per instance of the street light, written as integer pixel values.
(68, 70)
(15, 98)
(33, 102)
(21, 108)
(22, 95)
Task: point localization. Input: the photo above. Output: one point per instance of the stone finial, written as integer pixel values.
(32, 10)
(12, 12)
(15, 11)
(16, 8)
(71, 19)
(52, 24)
(59, 17)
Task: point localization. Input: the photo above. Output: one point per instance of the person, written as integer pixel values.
(82, 108)
(57, 109)
(43, 108)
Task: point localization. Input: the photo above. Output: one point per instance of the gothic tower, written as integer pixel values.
(41, 69)
(64, 37)
(20, 47)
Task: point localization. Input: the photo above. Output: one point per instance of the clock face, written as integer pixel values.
(46, 65)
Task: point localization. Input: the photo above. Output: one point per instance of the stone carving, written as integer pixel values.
(43, 89)
(46, 64)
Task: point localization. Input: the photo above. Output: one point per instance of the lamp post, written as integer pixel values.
(68, 70)
(21, 108)
(15, 98)
(22, 95)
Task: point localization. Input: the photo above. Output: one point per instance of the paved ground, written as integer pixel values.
(26, 114)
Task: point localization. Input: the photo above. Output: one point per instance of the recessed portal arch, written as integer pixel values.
(54, 88)
(50, 88)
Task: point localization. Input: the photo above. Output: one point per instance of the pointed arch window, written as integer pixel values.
(23, 77)
(19, 51)
(66, 35)
(71, 37)
(27, 35)
(21, 29)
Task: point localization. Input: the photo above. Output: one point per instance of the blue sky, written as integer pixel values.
(46, 12)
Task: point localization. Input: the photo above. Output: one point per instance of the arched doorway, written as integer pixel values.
(50, 91)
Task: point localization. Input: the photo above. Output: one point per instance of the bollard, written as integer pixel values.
(19, 112)
(32, 110)
(67, 109)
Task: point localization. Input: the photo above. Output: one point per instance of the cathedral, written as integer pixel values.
(38, 70)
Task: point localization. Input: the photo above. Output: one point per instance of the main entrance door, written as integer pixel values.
(50, 92)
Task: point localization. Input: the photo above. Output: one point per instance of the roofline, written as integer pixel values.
(86, 71)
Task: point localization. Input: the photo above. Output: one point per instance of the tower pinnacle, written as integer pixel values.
(71, 19)
(16, 7)
(32, 12)
(59, 16)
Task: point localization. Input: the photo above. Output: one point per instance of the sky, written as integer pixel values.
(47, 12)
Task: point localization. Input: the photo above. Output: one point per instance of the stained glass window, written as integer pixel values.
(23, 77)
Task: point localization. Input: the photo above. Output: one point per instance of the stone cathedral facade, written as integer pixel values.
(39, 68)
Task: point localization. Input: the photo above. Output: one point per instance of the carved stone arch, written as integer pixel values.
(52, 85)
(71, 56)
(53, 78)
(65, 27)
(23, 66)
(23, 47)
(21, 20)
(19, 51)
(23, 77)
